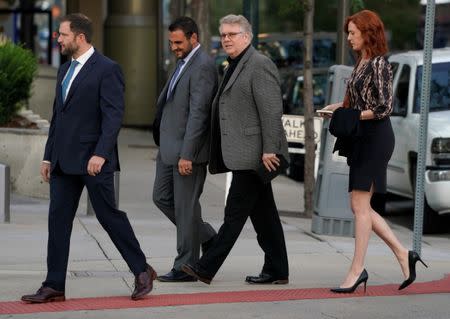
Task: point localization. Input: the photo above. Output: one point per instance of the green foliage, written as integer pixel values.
(400, 17)
(290, 9)
(275, 16)
(222, 8)
(288, 15)
(357, 5)
(10, 2)
(17, 69)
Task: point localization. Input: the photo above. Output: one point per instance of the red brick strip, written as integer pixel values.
(19, 307)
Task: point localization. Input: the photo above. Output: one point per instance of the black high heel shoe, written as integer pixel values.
(362, 279)
(413, 258)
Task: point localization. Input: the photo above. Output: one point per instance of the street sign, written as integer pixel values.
(294, 128)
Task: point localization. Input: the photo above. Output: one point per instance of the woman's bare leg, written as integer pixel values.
(382, 229)
(360, 202)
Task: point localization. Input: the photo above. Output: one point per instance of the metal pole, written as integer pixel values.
(423, 129)
(341, 47)
(4, 194)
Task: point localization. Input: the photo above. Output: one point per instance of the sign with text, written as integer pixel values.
(294, 128)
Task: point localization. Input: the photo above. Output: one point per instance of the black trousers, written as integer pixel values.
(65, 192)
(248, 196)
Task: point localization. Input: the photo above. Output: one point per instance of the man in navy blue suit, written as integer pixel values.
(81, 150)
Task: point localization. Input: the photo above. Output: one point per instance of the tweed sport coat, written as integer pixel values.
(246, 118)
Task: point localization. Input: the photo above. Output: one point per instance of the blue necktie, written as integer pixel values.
(174, 77)
(66, 81)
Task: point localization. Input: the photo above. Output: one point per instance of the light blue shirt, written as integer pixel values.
(186, 60)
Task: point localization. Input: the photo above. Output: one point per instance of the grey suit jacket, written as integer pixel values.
(247, 116)
(185, 120)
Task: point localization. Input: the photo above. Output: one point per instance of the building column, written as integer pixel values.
(131, 39)
(96, 11)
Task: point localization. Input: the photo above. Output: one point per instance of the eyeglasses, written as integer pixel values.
(229, 35)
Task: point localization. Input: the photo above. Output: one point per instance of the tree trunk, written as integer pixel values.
(177, 8)
(200, 10)
(309, 182)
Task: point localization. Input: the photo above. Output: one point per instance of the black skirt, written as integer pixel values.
(373, 150)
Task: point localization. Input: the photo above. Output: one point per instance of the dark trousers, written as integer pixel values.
(65, 192)
(178, 197)
(248, 196)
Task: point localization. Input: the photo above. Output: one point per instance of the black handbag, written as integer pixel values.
(266, 176)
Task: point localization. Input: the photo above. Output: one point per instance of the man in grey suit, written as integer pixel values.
(181, 129)
(247, 132)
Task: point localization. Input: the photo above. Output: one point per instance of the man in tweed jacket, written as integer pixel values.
(246, 131)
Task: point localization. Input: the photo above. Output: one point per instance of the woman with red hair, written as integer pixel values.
(369, 91)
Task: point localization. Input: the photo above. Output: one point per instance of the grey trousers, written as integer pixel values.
(178, 197)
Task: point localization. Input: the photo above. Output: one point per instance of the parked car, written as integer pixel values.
(292, 87)
(401, 177)
(286, 49)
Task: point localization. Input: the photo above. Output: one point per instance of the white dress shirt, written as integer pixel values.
(82, 59)
(187, 58)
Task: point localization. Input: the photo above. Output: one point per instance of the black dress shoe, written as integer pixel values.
(45, 294)
(176, 276)
(264, 278)
(143, 283)
(196, 273)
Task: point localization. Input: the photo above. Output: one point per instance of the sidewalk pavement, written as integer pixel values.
(97, 270)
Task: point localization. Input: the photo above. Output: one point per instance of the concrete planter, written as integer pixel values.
(22, 150)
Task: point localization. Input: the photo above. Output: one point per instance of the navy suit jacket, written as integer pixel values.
(89, 120)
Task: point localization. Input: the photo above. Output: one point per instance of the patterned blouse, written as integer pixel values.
(370, 87)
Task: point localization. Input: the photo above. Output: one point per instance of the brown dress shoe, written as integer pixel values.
(45, 294)
(143, 283)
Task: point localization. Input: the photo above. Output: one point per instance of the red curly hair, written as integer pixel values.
(372, 32)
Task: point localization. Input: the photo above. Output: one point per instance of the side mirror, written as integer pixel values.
(399, 110)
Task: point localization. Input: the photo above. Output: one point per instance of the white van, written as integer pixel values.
(407, 69)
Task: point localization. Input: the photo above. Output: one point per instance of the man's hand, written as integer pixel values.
(95, 165)
(184, 167)
(45, 171)
(270, 161)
